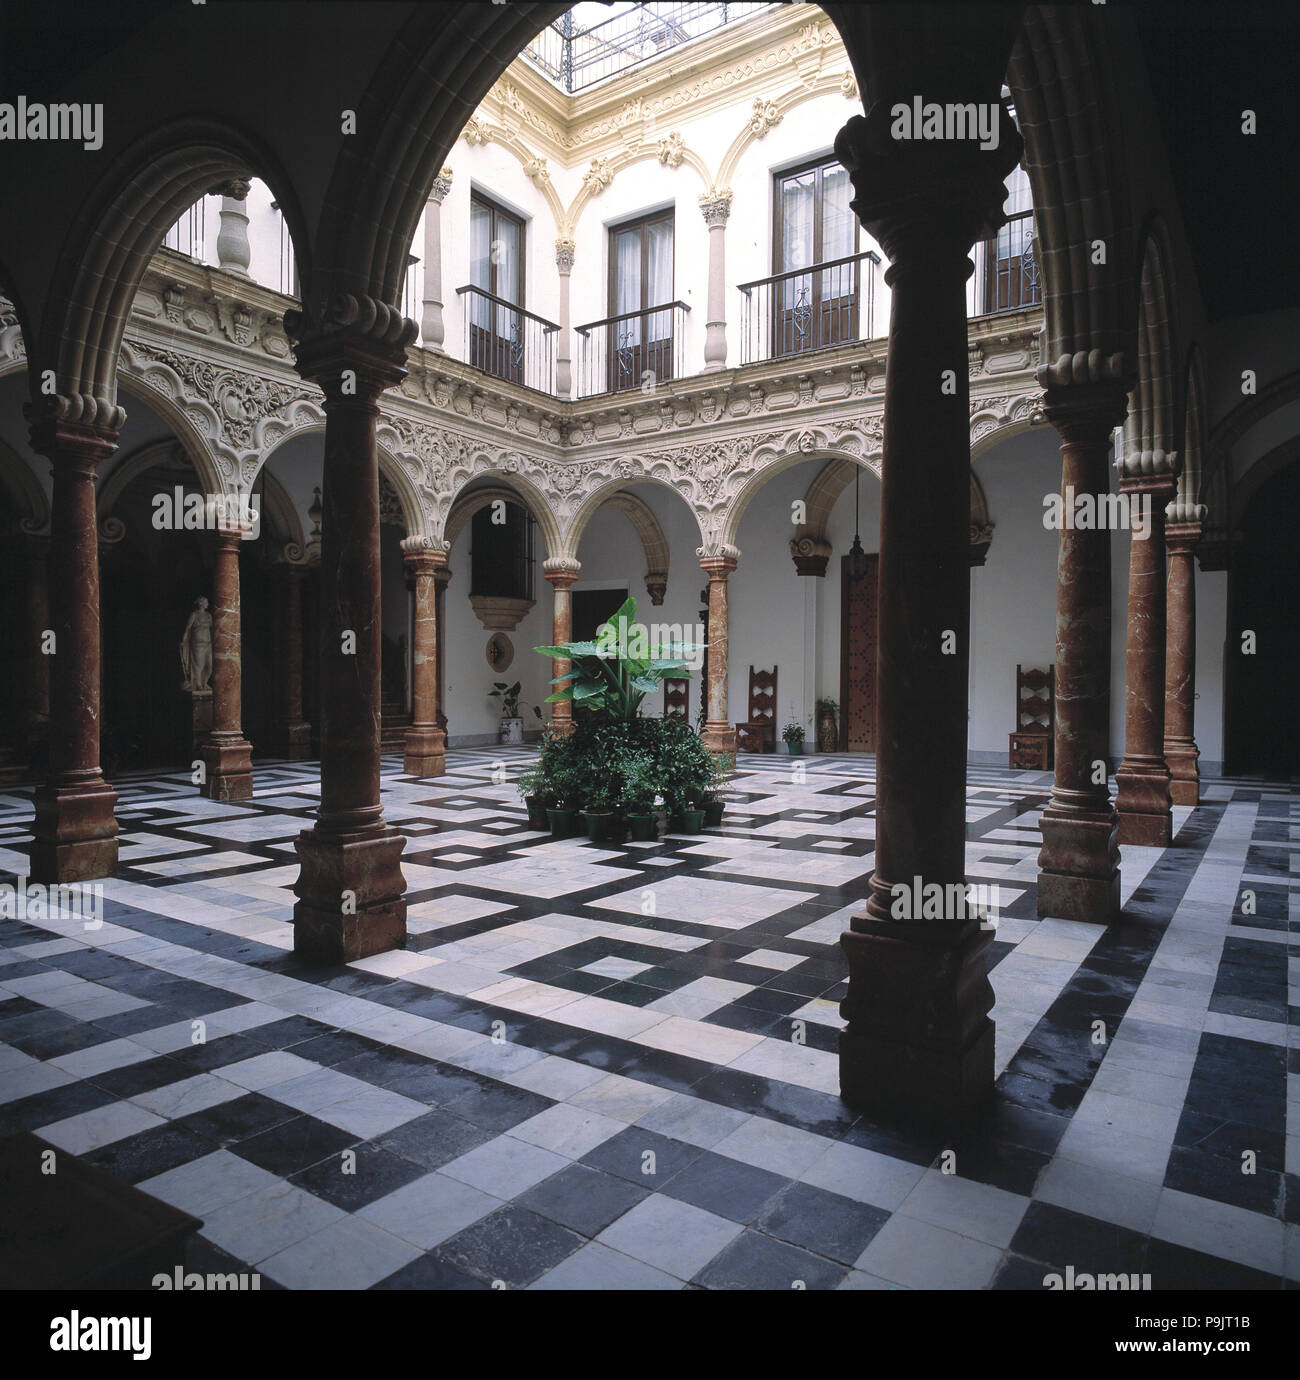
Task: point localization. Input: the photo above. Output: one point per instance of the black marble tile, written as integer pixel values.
(353, 1178)
(584, 1199)
(825, 1223)
(755, 1261)
(293, 1145)
(510, 1244)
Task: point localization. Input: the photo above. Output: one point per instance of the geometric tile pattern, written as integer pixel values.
(599, 1066)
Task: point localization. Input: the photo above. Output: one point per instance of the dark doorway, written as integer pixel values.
(591, 608)
(1260, 685)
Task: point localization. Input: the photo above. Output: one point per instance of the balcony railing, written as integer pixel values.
(809, 308)
(188, 235)
(1006, 274)
(637, 349)
(506, 341)
(576, 58)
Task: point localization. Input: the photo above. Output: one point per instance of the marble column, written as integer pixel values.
(226, 753)
(1142, 778)
(1078, 876)
(426, 743)
(38, 621)
(919, 1041)
(350, 884)
(233, 252)
(561, 571)
(719, 732)
(716, 207)
(441, 579)
(564, 347)
(1182, 532)
(433, 330)
(292, 731)
(75, 832)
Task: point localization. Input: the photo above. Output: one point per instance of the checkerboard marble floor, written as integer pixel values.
(614, 1067)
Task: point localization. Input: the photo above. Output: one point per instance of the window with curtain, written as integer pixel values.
(1011, 275)
(641, 277)
(814, 224)
(496, 265)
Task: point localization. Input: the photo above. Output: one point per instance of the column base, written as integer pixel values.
(561, 728)
(228, 764)
(1184, 774)
(1143, 801)
(1078, 864)
(294, 740)
(919, 1044)
(424, 751)
(351, 894)
(75, 832)
(719, 738)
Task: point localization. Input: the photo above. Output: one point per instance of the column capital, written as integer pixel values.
(1181, 537)
(561, 571)
(235, 188)
(715, 206)
(351, 335)
(423, 560)
(1153, 472)
(70, 420)
(564, 249)
(810, 554)
(717, 564)
(1081, 410)
(925, 197)
(73, 444)
(441, 186)
(227, 536)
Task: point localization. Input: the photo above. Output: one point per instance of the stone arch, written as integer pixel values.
(166, 452)
(521, 490)
(279, 514)
(619, 162)
(1068, 116)
(121, 225)
(1150, 433)
(654, 543)
(187, 421)
(520, 151)
(24, 491)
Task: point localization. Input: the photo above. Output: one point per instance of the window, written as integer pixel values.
(640, 278)
(1010, 271)
(813, 224)
(501, 553)
(496, 274)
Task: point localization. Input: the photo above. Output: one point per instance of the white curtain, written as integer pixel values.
(627, 288)
(796, 235)
(659, 289)
(507, 266)
(480, 262)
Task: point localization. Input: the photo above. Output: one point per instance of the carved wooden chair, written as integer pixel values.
(758, 732)
(1031, 742)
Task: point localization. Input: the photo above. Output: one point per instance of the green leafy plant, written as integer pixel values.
(827, 706)
(792, 732)
(610, 676)
(509, 697)
(640, 783)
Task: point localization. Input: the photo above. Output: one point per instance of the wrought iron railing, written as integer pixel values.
(809, 308)
(506, 341)
(635, 350)
(188, 236)
(1006, 276)
(575, 58)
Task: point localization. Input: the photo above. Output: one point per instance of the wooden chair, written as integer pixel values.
(1031, 742)
(758, 732)
(677, 699)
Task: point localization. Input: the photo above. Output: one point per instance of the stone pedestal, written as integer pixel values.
(200, 718)
(350, 885)
(425, 749)
(226, 753)
(292, 731)
(561, 572)
(1142, 780)
(919, 1042)
(75, 832)
(719, 732)
(1182, 532)
(1078, 864)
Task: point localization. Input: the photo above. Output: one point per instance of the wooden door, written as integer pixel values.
(858, 632)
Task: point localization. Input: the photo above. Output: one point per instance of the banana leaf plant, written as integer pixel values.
(619, 669)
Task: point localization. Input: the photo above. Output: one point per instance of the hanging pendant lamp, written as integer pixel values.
(857, 556)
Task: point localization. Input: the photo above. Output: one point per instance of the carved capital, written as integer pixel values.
(441, 186)
(353, 349)
(561, 571)
(1086, 412)
(77, 412)
(715, 205)
(656, 584)
(1150, 471)
(811, 555)
(236, 188)
(564, 255)
(718, 560)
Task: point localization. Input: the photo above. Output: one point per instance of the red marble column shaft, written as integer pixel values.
(38, 621)
(1079, 861)
(75, 832)
(226, 753)
(350, 885)
(561, 632)
(1142, 779)
(441, 579)
(426, 743)
(1181, 752)
(719, 733)
(293, 732)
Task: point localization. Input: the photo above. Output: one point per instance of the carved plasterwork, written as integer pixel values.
(672, 150)
(766, 115)
(598, 176)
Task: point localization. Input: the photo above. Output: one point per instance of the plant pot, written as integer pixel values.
(645, 828)
(537, 814)
(688, 822)
(512, 732)
(561, 822)
(828, 734)
(713, 814)
(603, 827)
(796, 746)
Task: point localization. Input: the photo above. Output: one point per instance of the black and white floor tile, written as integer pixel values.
(614, 1066)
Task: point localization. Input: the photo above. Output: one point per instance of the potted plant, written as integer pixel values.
(723, 766)
(599, 810)
(828, 730)
(561, 816)
(535, 789)
(793, 735)
(640, 787)
(512, 724)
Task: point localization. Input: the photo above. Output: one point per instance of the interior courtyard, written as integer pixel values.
(339, 415)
